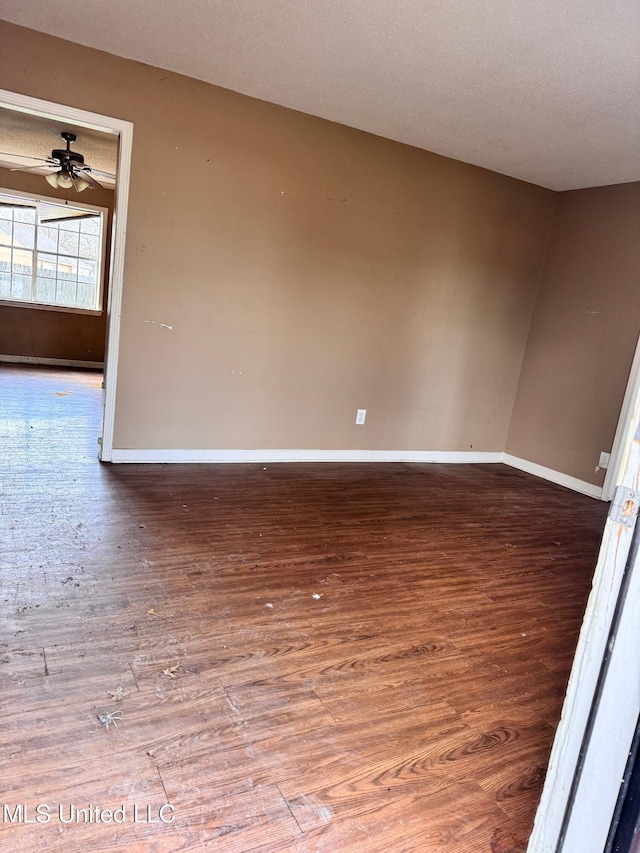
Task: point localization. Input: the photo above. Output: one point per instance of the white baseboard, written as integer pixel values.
(56, 362)
(122, 455)
(226, 456)
(553, 476)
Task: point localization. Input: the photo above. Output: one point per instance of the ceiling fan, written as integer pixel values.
(70, 168)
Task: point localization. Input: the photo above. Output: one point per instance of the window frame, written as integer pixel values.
(48, 306)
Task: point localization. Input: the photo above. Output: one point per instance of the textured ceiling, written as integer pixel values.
(544, 90)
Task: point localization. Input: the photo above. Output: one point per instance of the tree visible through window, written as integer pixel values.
(50, 252)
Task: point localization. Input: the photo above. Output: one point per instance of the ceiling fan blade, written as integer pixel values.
(84, 175)
(101, 174)
(25, 156)
(31, 168)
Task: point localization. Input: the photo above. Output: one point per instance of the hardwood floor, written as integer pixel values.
(340, 658)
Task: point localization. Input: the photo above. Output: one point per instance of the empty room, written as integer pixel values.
(319, 390)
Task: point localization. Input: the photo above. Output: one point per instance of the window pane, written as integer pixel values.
(65, 292)
(6, 230)
(67, 268)
(89, 246)
(5, 280)
(25, 214)
(48, 239)
(22, 261)
(91, 225)
(46, 290)
(87, 271)
(46, 265)
(70, 225)
(68, 242)
(21, 287)
(86, 295)
(24, 235)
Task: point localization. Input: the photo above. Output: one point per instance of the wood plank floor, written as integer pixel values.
(339, 658)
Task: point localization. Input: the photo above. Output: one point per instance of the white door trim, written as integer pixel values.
(613, 724)
(123, 129)
(632, 393)
(593, 799)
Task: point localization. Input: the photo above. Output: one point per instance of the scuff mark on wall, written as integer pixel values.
(161, 325)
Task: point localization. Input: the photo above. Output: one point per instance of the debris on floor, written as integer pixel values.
(171, 671)
(110, 718)
(152, 612)
(118, 694)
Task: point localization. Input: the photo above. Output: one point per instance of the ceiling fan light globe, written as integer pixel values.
(52, 179)
(80, 184)
(64, 181)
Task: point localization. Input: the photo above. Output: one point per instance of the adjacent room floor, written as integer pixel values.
(341, 658)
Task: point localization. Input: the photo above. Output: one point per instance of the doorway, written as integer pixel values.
(123, 130)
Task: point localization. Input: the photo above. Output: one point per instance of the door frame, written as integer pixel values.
(124, 130)
(631, 395)
(603, 694)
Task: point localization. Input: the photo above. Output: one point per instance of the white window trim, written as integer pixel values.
(49, 306)
(45, 306)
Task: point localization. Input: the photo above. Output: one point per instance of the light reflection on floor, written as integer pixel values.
(49, 416)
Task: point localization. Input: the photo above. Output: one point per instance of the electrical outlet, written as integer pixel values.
(361, 416)
(604, 460)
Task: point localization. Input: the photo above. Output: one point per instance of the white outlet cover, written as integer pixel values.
(604, 460)
(361, 416)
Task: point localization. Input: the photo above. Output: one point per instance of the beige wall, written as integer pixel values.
(53, 334)
(583, 335)
(306, 269)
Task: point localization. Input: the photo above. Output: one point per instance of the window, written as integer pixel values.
(51, 252)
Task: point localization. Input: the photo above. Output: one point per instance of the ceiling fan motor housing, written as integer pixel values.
(66, 155)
